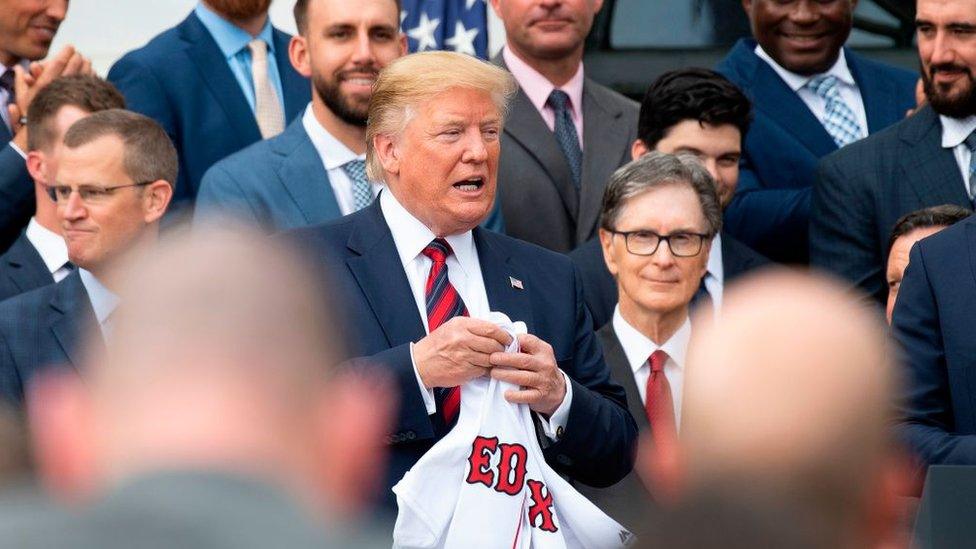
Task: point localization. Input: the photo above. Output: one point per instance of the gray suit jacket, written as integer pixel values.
(539, 202)
(628, 501)
(863, 189)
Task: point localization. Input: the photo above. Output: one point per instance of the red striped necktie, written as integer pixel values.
(443, 304)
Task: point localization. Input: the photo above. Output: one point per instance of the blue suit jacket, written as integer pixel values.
(358, 257)
(275, 184)
(22, 269)
(771, 208)
(42, 328)
(600, 288)
(933, 322)
(16, 191)
(181, 79)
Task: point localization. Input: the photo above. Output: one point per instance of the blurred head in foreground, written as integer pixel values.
(790, 397)
(221, 360)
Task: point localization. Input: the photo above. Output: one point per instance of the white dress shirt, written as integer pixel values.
(334, 156)
(410, 237)
(849, 92)
(954, 133)
(638, 348)
(51, 247)
(715, 273)
(103, 301)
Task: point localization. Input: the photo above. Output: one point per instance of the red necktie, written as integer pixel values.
(443, 304)
(658, 403)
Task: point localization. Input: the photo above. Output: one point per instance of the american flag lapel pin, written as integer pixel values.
(516, 283)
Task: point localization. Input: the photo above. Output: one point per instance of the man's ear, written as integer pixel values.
(156, 199)
(606, 244)
(299, 56)
(35, 166)
(388, 153)
(638, 149)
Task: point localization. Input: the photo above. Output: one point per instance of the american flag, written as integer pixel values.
(458, 25)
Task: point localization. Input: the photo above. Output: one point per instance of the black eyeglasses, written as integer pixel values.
(90, 194)
(645, 242)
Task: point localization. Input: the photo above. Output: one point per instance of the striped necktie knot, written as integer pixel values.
(438, 250)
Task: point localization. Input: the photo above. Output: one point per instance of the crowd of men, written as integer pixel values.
(245, 278)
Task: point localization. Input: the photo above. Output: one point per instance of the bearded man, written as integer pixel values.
(316, 170)
(923, 161)
(217, 82)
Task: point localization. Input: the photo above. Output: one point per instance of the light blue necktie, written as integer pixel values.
(840, 121)
(565, 132)
(362, 193)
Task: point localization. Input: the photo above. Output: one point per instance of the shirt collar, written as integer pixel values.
(638, 347)
(956, 130)
(49, 245)
(714, 267)
(411, 236)
(230, 38)
(538, 88)
(795, 81)
(333, 153)
(103, 301)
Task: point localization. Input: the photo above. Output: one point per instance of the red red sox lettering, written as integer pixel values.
(510, 477)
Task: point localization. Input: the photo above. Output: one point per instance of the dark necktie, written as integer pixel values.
(443, 304)
(658, 403)
(971, 144)
(7, 84)
(565, 132)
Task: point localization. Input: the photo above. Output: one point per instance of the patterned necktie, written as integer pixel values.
(565, 132)
(362, 193)
(267, 106)
(971, 143)
(7, 83)
(658, 403)
(443, 304)
(840, 121)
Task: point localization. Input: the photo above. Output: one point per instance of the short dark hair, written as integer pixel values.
(88, 93)
(148, 155)
(935, 216)
(300, 12)
(691, 94)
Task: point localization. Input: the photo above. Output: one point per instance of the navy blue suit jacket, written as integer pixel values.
(182, 80)
(16, 191)
(863, 189)
(42, 328)
(600, 288)
(358, 257)
(771, 208)
(22, 269)
(933, 322)
(276, 184)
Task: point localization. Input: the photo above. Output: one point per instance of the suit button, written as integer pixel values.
(410, 435)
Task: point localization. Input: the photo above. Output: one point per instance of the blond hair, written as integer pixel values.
(415, 78)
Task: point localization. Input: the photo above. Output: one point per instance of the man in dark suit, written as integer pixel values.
(565, 134)
(699, 112)
(133, 162)
(923, 161)
(659, 216)
(811, 96)
(39, 256)
(217, 82)
(415, 275)
(27, 29)
(315, 170)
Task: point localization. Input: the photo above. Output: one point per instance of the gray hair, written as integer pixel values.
(654, 170)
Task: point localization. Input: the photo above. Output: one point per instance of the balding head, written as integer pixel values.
(791, 391)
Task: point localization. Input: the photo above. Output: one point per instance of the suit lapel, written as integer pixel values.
(26, 265)
(930, 169)
(5, 135)
(213, 69)
(879, 99)
(621, 372)
(294, 86)
(73, 316)
(501, 275)
(782, 105)
(377, 268)
(604, 136)
(303, 175)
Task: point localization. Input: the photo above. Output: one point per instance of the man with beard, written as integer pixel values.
(315, 170)
(217, 82)
(925, 160)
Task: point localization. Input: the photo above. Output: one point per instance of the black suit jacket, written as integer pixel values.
(16, 191)
(600, 288)
(40, 329)
(22, 269)
(539, 202)
(864, 188)
(357, 255)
